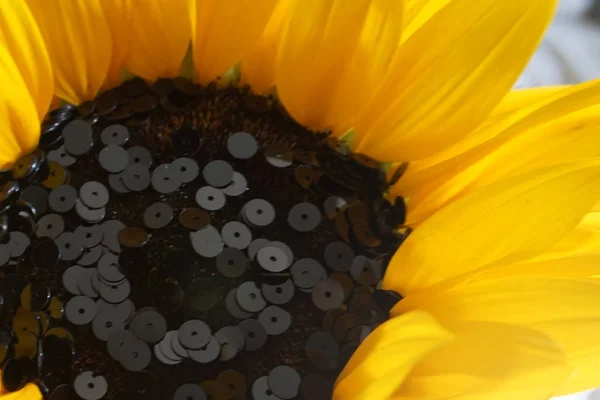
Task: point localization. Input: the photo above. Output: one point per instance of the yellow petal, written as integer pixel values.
(19, 117)
(372, 374)
(117, 15)
(333, 56)
(160, 36)
(223, 31)
(258, 64)
(29, 392)
(559, 126)
(566, 309)
(79, 44)
(579, 341)
(21, 35)
(443, 86)
(504, 222)
(488, 361)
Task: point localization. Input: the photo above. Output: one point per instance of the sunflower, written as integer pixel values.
(498, 276)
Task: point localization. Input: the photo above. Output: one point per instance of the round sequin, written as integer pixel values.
(284, 381)
(306, 272)
(165, 179)
(91, 256)
(242, 145)
(328, 294)
(218, 173)
(255, 335)
(135, 355)
(115, 293)
(304, 217)
(231, 340)
(133, 237)
(207, 242)
(88, 386)
(50, 225)
(88, 214)
(194, 334)
(333, 206)
(77, 135)
(106, 323)
(189, 391)
(249, 297)
(136, 177)
(339, 256)
(210, 198)
(113, 158)
(231, 262)
(115, 134)
(255, 246)
(194, 218)
(94, 194)
(61, 157)
(261, 390)
(186, 169)
(18, 243)
(108, 269)
(275, 320)
(237, 235)
(80, 310)
(116, 340)
(258, 212)
(35, 296)
(278, 294)
(140, 155)
(365, 271)
(237, 187)
(150, 326)
(62, 198)
(207, 353)
(70, 277)
(70, 245)
(234, 382)
(272, 259)
(158, 215)
(115, 181)
(233, 307)
(91, 235)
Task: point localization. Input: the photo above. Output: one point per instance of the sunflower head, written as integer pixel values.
(292, 200)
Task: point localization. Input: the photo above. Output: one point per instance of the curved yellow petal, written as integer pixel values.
(258, 64)
(443, 86)
(566, 309)
(333, 56)
(504, 222)
(559, 126)
(29, 392)
(79, 44)
(160, 36)
(488, 361)
(117, 15)
(21, 35)
(223, 31)
(372, 373)
(19, 117)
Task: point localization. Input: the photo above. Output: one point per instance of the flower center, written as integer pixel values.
(235, 232)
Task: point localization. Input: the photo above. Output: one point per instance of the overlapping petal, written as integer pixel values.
(508, 221)
(19, 117)
(79, 43)
(440, 89)
(372, 373)
(118, 16)
(159, 38)
(223, 31)
(558, 125)
(488, 361)
(332, 57)
(21, 36)
(565, 309)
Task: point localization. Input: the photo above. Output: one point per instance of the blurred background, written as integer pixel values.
(569, 53)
